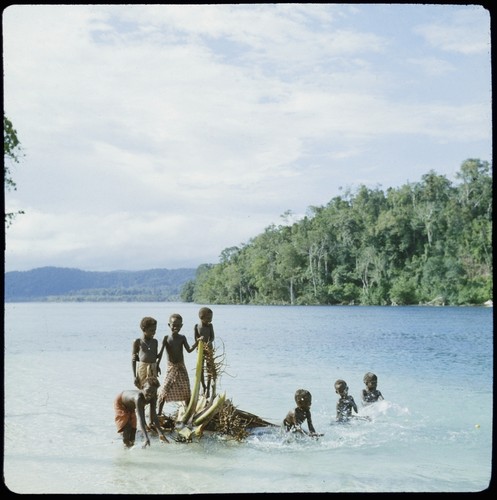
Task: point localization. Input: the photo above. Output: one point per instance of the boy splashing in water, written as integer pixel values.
(294, 419)
(346, 403)
(371, 394)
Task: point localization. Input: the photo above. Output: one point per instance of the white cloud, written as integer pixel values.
(433, 65)
(466, 31)
(141, 121)
(124, 239)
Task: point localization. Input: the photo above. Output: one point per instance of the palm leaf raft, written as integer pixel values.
(215, 414)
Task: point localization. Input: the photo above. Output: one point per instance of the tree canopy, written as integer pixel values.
(424, 242)
(11, 154)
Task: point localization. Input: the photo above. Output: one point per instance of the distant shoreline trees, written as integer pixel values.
(428, 242)
(58, 284)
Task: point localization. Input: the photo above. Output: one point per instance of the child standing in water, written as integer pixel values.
(128, 403)
(144, 352)
(205, 331)
(176, 386)
(294, 419)
(371, 394)
(346, 403)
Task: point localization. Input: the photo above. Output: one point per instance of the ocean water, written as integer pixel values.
(66, 362)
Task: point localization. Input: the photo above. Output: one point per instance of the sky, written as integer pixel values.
(156, 136)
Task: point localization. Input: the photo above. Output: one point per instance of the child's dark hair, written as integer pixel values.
(369, 376)
(176, 316)
(303, 395)
(204, 310)
(147, 321)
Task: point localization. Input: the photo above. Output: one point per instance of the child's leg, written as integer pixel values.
(208, 386)
(160, 406)
(208, 362)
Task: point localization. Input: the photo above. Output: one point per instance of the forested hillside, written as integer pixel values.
(63, 284)
(428, 242)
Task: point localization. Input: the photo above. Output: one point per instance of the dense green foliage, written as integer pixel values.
(11, 153)
(65, 284)
(428, 242)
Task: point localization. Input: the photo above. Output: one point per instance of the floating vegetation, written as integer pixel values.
(215, 414)
(235, 423)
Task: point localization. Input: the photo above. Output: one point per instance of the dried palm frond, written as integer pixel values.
(228, 422)
(235, 423)
(214, 363)
(216, 413)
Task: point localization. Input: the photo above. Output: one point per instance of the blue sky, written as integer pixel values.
(156, 136)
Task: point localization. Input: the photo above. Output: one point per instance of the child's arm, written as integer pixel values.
(155, 419)
(363, 395)
(353, 404)
(161, 353)
(134, 360)
(309, 423)
(187, 345)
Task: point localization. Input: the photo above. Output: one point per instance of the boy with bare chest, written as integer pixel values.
(144, 352)
(176, 386)
(205, 331)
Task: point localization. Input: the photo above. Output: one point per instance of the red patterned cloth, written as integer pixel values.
(176, 386)
(123, 415)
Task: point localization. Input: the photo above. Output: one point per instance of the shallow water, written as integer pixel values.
(65, 363)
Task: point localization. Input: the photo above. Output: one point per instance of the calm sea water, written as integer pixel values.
(65, 363)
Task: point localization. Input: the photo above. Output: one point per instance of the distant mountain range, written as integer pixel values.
(67, 284)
